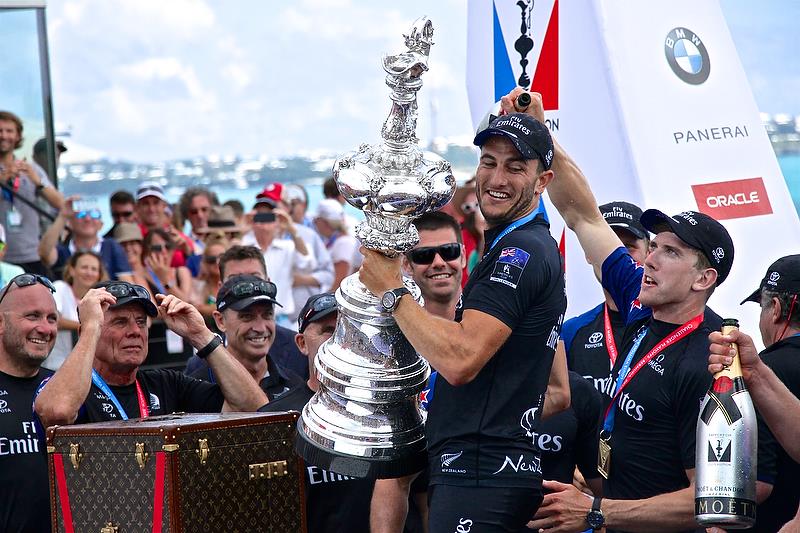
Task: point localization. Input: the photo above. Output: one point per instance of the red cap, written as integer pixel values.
(270, 195)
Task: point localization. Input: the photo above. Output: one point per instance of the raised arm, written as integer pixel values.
(62, 397)
(570, 193)
(240, 390)
(47, 245)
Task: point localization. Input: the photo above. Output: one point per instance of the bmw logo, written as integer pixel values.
(687, 56)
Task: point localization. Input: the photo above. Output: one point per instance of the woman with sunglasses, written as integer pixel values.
(161, 277)
(129, 236)
(206, 284)
(83, 270)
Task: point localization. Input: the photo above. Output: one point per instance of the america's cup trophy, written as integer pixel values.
(365, 420)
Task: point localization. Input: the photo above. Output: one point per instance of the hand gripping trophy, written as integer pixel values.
(365, 420)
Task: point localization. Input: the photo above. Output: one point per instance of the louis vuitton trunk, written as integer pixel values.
(179, 473)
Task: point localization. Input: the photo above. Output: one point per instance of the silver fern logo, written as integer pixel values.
(448, 459)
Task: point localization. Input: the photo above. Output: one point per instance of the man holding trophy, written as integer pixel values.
(494, 361)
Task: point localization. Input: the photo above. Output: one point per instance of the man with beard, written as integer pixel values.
(25, 183)
(28, 327)
(493, 362)
(101, 380)
(647, 442)
(245, 314)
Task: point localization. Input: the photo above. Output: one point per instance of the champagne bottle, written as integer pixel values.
(727, 442)
(522, 103)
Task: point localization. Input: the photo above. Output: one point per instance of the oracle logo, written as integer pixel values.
(733, 199)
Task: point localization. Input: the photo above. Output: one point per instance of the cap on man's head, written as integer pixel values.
(129, 293)
(240, 292)
(626, 216)
(530, 137)
(316, 308)
(782, 276)
(270, 196)
(329, 209)
(699, 231)
(127, 232)
(41, 146)
(293, 193)
(150, 188)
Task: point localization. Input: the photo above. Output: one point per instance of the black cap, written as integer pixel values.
(624, 215)
(41, 146)
(529, 136)
(698, 231)
(316, 308)
(128, 293)
(782, 276)
(239, 292)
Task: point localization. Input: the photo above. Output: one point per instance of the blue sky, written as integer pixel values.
(163, 79)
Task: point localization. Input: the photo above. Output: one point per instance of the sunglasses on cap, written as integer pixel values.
(323, 303)
(124, 290)
(425, 255)
(253, 288)
(94, 214)
(26, 280)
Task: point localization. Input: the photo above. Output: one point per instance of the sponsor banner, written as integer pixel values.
(733, 199)
(651, 100)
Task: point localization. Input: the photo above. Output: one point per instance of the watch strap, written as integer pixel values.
(206, 350)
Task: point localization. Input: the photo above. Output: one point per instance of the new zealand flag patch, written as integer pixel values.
(509, 266)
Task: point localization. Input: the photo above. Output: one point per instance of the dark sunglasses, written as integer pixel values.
(254, 288)
(121, 214)
(323, 303)
(426, 255)
(159, 247)
(26, 280)
(123, 290)
(94, 214)
(210, 259)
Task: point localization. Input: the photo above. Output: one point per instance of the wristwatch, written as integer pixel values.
(595, 517)
(391, 299)
(206, 350)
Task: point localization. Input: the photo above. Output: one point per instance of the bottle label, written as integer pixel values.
(721, 398)
(725, 506)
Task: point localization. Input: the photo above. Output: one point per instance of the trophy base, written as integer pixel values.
(408, 462)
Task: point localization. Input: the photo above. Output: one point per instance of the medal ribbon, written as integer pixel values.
(611, 344)
(100, 383)
(624, 377)
(511, 227)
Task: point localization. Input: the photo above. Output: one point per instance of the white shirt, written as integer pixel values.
(281, 258)
(67, 307)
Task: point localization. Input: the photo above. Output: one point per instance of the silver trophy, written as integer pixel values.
(365, 420)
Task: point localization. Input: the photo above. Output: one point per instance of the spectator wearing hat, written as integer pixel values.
(7, 270)
(153, 211)
(296, 199)
(39, 156)
(590, 339)
(343, 248)
(771, 375)
(333, 502)
(245, 314)
(101, 379)
(195, 206)
(129, 236)
(85, 226)
(283, 256)
(24, 184)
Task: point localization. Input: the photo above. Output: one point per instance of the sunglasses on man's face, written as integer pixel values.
(26, 280)
(426, 255)
(210, 259)
(94, 214)
(121, 214)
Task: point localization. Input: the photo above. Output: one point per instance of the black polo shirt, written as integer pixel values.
(478, 433)
(587, 346)
(774, 464)
(275, 384)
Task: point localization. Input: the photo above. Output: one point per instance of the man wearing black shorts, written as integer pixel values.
(100, 379)
(647, 442)
(494, 361)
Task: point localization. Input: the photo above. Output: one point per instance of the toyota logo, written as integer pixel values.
(595, 337)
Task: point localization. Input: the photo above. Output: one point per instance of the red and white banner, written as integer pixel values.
(652, 102)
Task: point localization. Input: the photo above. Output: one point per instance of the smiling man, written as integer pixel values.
(494, 360)
(100, 379)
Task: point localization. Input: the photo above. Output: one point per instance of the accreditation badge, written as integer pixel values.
(604, 457)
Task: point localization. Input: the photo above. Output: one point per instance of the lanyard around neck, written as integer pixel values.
(511, 227)
(100, 383)
(611, 343)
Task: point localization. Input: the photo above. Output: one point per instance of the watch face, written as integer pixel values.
(388, 300)
(595, 519)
